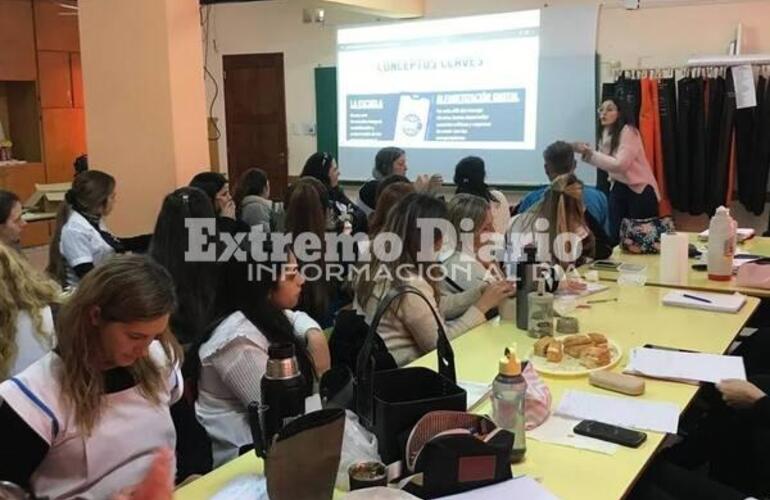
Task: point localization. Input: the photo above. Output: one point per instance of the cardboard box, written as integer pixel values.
(47, 197)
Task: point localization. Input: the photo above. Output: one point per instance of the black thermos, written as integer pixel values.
(525, 283)
(283, 390)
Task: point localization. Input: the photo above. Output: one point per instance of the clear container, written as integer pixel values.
(508, 396)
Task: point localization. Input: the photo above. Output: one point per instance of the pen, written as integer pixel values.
(695, 297)
(601, 301)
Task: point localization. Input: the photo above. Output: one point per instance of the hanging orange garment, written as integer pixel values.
(658, 167)
(647, 122)
(731, 173)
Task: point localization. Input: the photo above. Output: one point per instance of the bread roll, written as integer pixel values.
(576, 350)
(574, 340)
(595, 357)
(555, 352)
(541, 346)
(597, 338)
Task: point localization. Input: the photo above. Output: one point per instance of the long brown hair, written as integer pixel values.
(22, 288)
(89, 193)
(307, 202)
(563, 207)
(126, 288)
(385, 201)
(402, 221)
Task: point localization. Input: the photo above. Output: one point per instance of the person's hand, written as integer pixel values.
(573, 285)
(157, 484)
(739, 393)
(580, 147)
(228, 209)
(421, 183)
(435, 183)
(494, 294)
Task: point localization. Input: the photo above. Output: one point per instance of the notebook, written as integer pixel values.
(718, 302)
(684, 366)
(591, 288)
(657, 416)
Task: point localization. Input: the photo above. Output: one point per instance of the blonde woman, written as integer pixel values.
(86, 419)
(26, 325)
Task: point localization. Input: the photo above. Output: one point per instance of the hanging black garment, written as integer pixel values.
(744, 149)
(629, 92)
(723, 154)
(761, 157)
(684, 110)
(716, 104)
(667, 112)
(697, 166)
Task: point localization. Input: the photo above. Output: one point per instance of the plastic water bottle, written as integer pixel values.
(721, 245)
(508, 394)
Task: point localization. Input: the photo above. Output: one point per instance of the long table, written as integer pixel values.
(695, 280)
(637, 318)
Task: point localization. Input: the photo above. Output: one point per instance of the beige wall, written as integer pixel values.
(145, 105)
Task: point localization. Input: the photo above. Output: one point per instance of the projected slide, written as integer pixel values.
(464, 83)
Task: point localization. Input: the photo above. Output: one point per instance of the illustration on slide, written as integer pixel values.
(412, 118)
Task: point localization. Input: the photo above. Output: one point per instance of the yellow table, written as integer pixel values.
(635, 319)
(696, 280)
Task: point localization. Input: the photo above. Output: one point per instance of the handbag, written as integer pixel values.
(642, 236)
(390, 402)
(456, 452)
(755, 274)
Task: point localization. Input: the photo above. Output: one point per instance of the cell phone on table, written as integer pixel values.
(607, 265)
(610, 433)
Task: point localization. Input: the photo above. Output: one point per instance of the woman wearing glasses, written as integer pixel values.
(634, 192)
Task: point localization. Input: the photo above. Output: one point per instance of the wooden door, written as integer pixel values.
(17, 41)
(255, 117)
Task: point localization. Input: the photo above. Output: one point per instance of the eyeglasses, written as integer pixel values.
(608, 109)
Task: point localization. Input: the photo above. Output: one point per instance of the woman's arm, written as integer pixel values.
(28, 448)
(307, 329)
(241, 365)
(620, 160)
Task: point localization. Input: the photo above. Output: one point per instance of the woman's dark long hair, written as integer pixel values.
(318, 166)
(470, 176)
(624, 118)
(8, 200)
(384, 160)
(248, 288)
(89, 194)
(307, 203)
(195, 282)
(252, 182)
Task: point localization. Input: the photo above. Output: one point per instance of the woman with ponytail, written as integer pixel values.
(233, 355)
(562, 212)
(81, 240)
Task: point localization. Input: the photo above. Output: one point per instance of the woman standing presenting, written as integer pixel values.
(634, 192)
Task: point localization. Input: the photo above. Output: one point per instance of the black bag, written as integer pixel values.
(390, 402)
(345, 343)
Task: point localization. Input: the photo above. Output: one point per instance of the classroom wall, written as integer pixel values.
(652, 36)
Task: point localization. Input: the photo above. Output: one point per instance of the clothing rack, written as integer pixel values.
(706, 70)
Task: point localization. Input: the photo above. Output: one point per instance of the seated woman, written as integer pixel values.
(26, 325)
(195, 282)
(216, 186)
(233, 358)
(470, 178)
(470, 266)
(252, 199)
(85, 420)
(307, 212)
(409, 328)
(323, 166)
(81, 240)
(11, 222)
(574, 236)
(392, 189)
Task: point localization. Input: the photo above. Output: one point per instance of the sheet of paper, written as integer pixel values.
(745, 90)
(698, 366)
(476, 391)
(621, 411)
(558, 430)
(521, 487)
(251, 486)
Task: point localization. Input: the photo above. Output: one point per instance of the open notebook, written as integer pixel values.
(719, 302)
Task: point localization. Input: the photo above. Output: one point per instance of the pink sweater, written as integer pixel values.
(629, 164)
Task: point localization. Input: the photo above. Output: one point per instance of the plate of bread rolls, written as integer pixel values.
(578, 354)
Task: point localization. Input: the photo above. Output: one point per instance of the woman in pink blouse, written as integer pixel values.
(634, 191)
